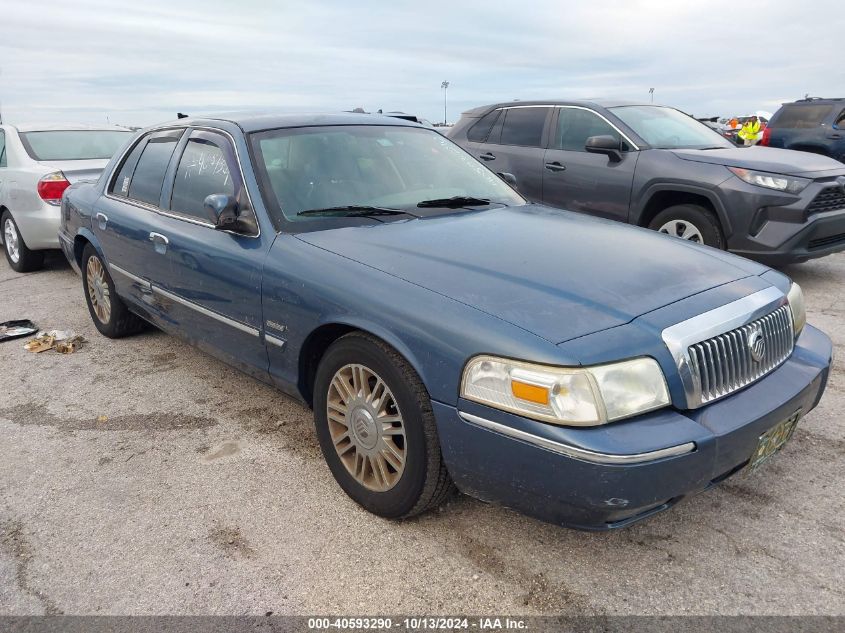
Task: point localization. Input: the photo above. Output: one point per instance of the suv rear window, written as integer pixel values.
(801, 116)
(74, 144)
(524, 126)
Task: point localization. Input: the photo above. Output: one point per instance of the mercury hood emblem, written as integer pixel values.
(757, 345)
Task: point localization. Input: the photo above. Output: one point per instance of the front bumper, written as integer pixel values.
(779, 229)
(607, 477)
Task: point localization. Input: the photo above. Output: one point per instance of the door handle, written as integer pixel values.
(488, 156)
(102, 220)
(555, 166)
(160, 242)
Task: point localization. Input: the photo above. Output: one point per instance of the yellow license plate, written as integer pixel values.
(773, 440)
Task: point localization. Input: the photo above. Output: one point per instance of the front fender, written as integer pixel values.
(639, 208)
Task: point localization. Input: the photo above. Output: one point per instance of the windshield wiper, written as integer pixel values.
(455, 202)
(354, 211)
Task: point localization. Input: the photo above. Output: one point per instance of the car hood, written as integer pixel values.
(771, 159)
(78, 170)
(554, 273)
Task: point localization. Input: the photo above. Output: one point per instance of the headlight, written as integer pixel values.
(796, 304)
(586, 396)
(780, 182)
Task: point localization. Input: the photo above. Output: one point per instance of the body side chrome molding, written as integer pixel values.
(573, 451)
(272, 340)
(142, 282)
(243, 327)
(702, 327)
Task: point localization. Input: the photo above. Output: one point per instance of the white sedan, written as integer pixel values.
(37, 163)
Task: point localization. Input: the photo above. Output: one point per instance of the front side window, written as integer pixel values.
(524, 126)
(207, 167)
(2, 148)
(148, 177)
(305, 169)
(74, 144)
(575, 126)
(667, 128)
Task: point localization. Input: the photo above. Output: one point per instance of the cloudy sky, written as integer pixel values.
(141, 62)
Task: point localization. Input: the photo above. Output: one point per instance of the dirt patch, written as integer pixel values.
(13, 539)
(230, 540)
(39, 415)
(225, 449)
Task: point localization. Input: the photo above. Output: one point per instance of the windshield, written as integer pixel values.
(667, 128)
(74, 144)
(387, 167)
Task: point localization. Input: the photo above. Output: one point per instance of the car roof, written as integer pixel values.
(585, 103)
(68, 127)
(816, 100)
(257, 122)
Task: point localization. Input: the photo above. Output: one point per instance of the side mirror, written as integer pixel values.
(605, 144)
(222, 210)
(508, 178)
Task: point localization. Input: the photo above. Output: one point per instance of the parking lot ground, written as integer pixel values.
(143, 477)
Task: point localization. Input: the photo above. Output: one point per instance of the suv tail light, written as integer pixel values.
(52, 186)
(767, 132)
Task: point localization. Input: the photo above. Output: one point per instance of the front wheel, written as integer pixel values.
(690, 222)
(19, 256)
(376, 428)
(110, 315)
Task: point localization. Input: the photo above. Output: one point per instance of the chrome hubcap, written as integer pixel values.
(366, 427)
(98, 289)
(10, 237)
(683, 229)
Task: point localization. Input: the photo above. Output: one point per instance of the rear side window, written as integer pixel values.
(148, 176)
(524, 126)
(207, 167)
(575, 126)
(479, 132)
(801, 116)
(2, 148)
(840, 120)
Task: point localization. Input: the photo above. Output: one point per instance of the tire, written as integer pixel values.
(423, 481)
(19, 256)
(108, 312)
(692, 222)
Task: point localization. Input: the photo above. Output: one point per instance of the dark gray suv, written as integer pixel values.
(656, 167)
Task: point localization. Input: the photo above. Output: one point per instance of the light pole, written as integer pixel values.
(445, 86)
(651, 92)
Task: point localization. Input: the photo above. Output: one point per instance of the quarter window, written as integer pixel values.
(207, 167)
(575, 126)
(2, 148)
(120, 185)
(524, 126)
(479, 132)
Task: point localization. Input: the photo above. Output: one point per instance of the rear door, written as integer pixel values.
(213, 288)
(126, 217)
(514, 144)
(580, 181)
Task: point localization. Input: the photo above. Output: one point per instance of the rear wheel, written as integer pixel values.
(110, 315)
(377, 430)
(690, 222)
(19, 256)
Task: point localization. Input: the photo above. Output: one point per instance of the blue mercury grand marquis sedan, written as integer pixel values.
(446, 332)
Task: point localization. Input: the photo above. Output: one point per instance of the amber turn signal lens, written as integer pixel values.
(531, 393)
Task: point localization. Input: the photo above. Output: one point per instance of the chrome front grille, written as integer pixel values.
(727, 362)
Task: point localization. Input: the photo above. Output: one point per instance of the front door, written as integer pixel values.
(213, 289)
(580, 181)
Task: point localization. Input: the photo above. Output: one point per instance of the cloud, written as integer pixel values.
(138, 64)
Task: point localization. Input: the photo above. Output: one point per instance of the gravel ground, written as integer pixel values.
(144, 477)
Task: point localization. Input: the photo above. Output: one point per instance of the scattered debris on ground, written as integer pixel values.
(11, 330)
(63, 341)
